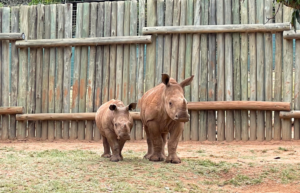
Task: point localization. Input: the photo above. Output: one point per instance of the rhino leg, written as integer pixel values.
(149, 143)
(157, 142)
(106, 153)
(121, 144)
(175, 134)
(164, 137)
(115, 148)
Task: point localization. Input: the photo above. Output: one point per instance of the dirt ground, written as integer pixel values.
(257, 154)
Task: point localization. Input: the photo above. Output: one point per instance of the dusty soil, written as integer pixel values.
(259, 154)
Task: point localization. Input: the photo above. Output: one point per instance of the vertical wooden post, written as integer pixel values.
(45, 87)
(5, 71)
(252, 55)
(278, 74)
(203, 70)
(106, 61)
(1, 10)
(60, 68)
(195, 72)
(23, 71)
(132, 61)
(160, 42)
(99, 65)
(76, 73)
(14, 70)
(211, 117)
(175, 38)
(91, 73)
(31, 101)
(229, 127)
(125, 81)
(167, 38)
(39, 68)
(287, 75)
(151, 48)
(244, 70)
(83, 68)
(51, 126)
(297, 88)
(260, 70)
(140, 78)
(67, 67)
(120, 51)
(237, 68)
(221, 72)
(268, 13)
(112, 53)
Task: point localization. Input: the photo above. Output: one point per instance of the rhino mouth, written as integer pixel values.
(124, 137)
(182, 119)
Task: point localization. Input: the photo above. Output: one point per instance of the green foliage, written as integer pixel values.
(296, 14)
(1, 4)
(45, 2)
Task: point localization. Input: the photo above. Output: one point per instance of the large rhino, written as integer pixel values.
(115, 123)
(164, 110)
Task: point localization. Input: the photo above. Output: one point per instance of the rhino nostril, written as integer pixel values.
(176, 116)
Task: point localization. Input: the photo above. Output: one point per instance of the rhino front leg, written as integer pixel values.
(175, 134)
(157, 141)
(164, 137)
(115, 148)
(149, 143)
(106, 153)
(121, 144)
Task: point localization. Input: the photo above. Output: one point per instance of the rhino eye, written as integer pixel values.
(170, 103)
(115, 124)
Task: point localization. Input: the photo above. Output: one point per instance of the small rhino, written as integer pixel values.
(115, 123)
(164, 110)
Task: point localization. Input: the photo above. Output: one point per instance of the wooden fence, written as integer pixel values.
(40, 76)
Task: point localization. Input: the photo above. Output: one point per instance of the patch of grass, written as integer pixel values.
(252, 151)
(282, 149)
(264, 151)
(241, 179)
(200, 151)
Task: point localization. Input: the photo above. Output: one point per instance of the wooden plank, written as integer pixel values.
(151, 48)
(83, 69)
(31, 100)
(252, 59)
(268, 8)
(195, 71)
(51, 104)
(287, 76)
(211, 116)
(12, 36)
(236, 68)
(160, 42)
(39, 68)
(11, 110)
(99, 65)
(239, 105)
(112, 53)
(23, 71)
(289, 35)
(45, 87)
(244, 71)
(126, 66)
(14, 70)
(106, 52)
(203, 70)
(278, 74)
(168, 38)
(76, 73)
(297, 89)
(133, 60)
(228, 28)
(175, 39)
(120, 51)
(5, 71)
(59, 71)
(260, 122)
(229, 125)
(67, 67)
(290, 114)
(140, 78)
(91, 72)
(1, 9)
(65, 116)
(221, 72)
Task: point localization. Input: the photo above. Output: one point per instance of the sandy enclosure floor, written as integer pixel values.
(258, 154)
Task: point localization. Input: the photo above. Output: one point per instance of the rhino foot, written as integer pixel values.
(115, 158)
(147, 156)
(106, 155)
(173, 159)
(156, 158)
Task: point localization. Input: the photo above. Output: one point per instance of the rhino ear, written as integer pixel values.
(131, 106)
(187, 81)
(165, 79)
(112, 107)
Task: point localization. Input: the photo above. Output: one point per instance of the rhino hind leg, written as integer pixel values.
(164, 137)
(106, 146)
